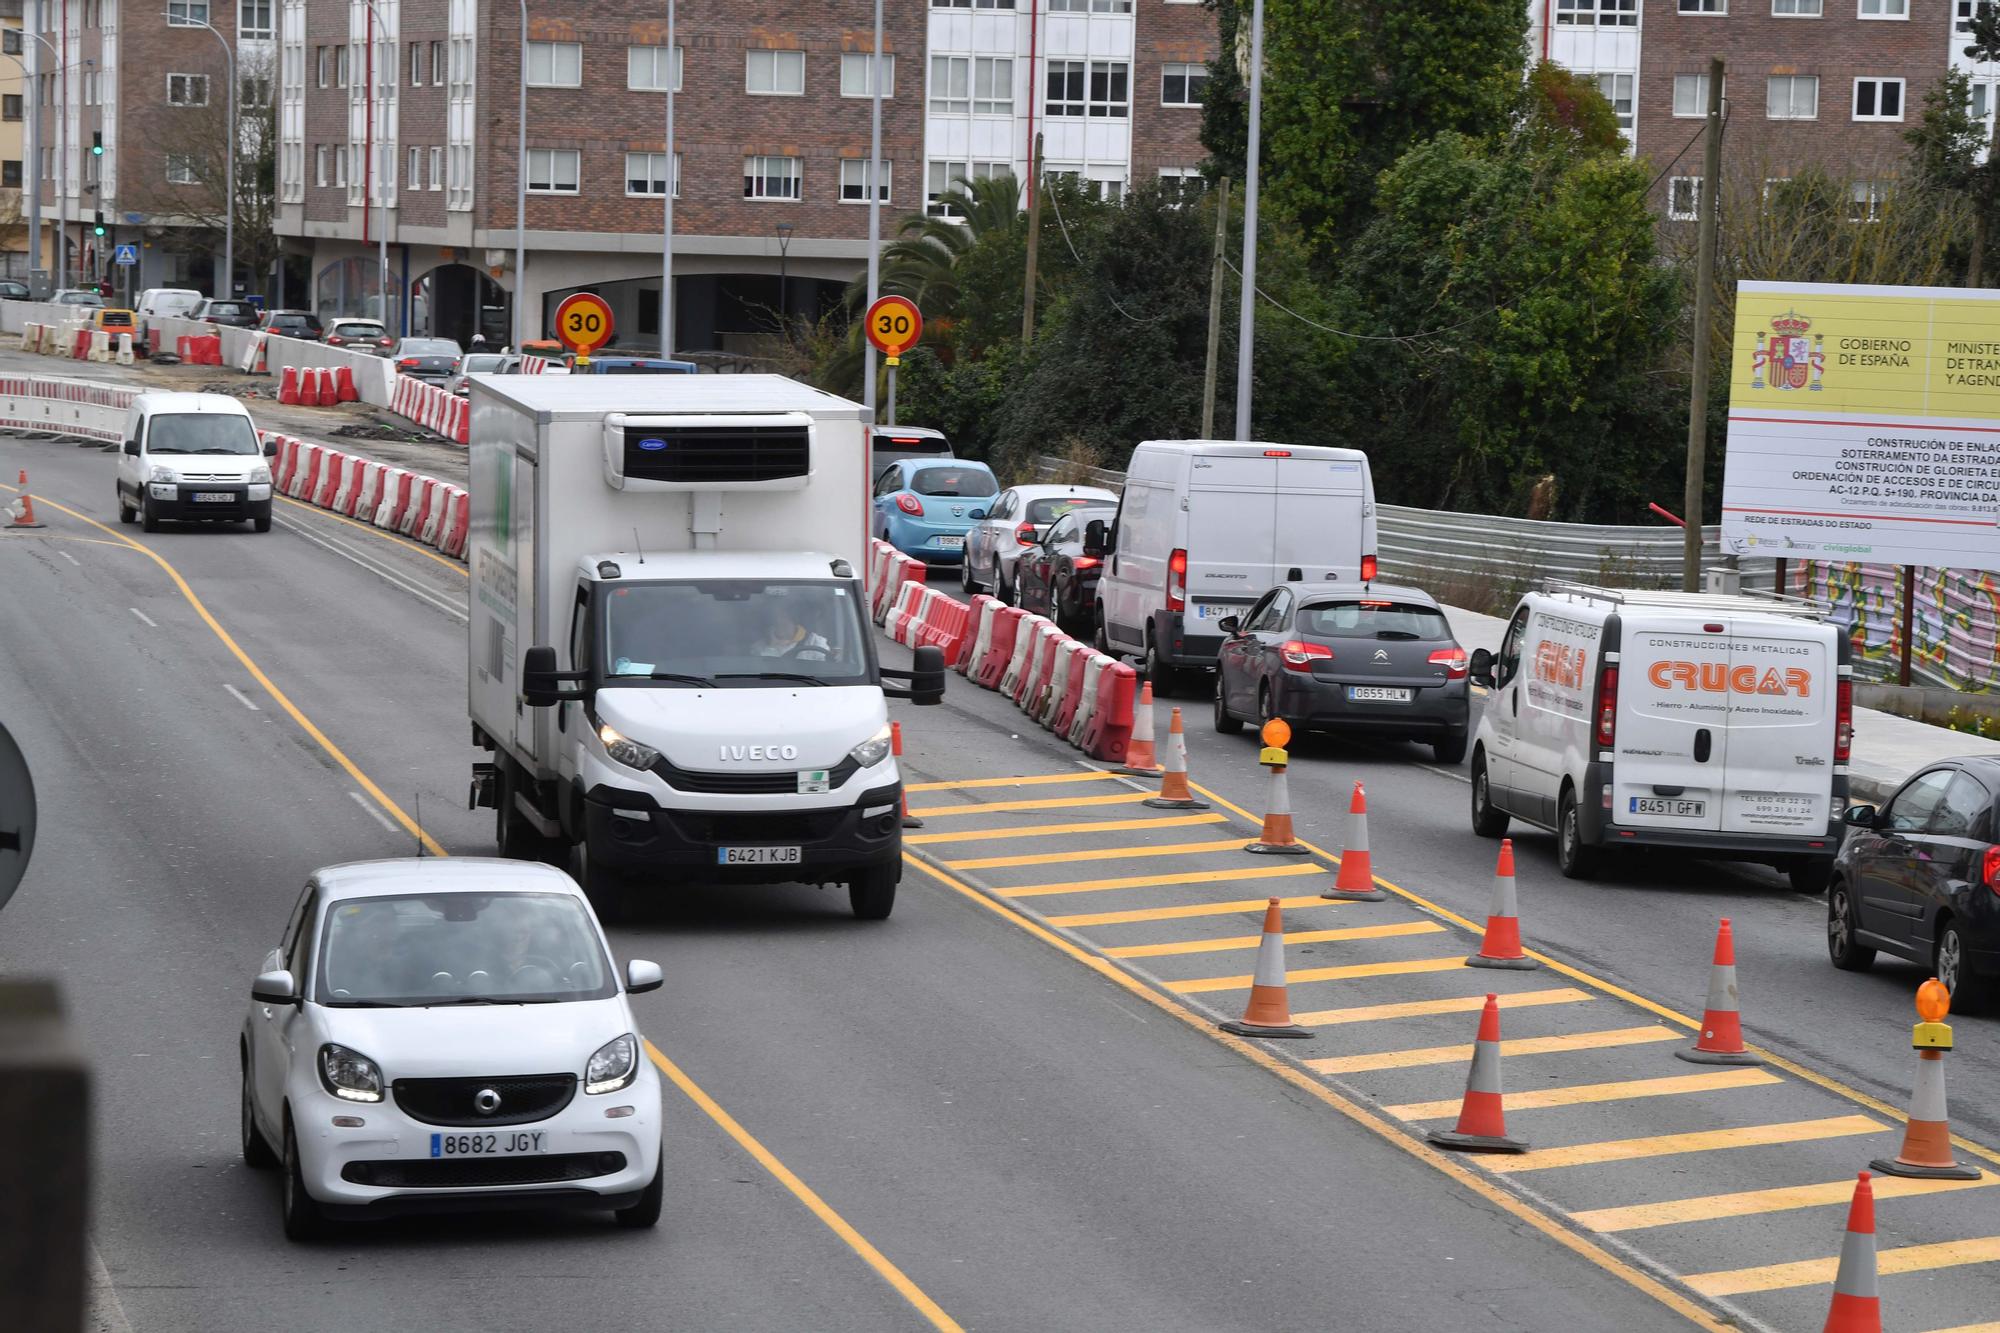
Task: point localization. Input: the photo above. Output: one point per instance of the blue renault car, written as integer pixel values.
(925, 506)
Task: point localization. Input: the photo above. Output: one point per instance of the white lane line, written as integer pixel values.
(374, 812)
(67, 556)
(241, 697)
(143, 616)
(376, 567)
(1451, 773)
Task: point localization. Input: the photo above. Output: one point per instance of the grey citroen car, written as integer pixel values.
(1356, 657)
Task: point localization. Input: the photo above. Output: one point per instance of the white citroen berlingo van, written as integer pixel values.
(193, 457)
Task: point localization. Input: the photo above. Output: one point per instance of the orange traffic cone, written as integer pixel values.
(1926, 1150)
(1269, 1013)
(1140, 758)
(896, 748)
(1276, 838)
(23, 509)
(1502, 945)
(1482, 1120)
(1857, 1304)
(1174, 793)
(1721, 1039)
(1356, 882)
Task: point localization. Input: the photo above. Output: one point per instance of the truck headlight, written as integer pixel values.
(164, 475)
(349, 1075)
(260, 476)
(626, 750)
(612, 1066)
(873, 750)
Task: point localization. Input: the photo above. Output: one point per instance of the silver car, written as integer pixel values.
(1012, 526)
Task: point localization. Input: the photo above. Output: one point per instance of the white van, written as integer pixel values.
(1716, 724)
(1206, 526)
(193, 457)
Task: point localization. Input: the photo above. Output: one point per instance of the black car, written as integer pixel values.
(292, 324)
(1920, 878)
(1346, 657)
(1058, 577)
(11, 290)
(433, 360)
(229, 312)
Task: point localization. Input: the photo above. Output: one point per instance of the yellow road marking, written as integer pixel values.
(1818, 1272)
(1580, 1094)
(1054, 803)
(1097, 854)
(455, 566)
(1405, 967)
(1080, 775)
(1191, 910)
(805, 1194)
(1462, 1004)
(1446, 1055)
(1970, 1328)
(1749, 1203)
(1226, 943)
(1284, 871)
(1366, 1117)
(1706, 1140)
(1052, 830)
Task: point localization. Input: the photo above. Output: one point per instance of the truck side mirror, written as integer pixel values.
(270, 448)
(1482, 667)
(1095, 539)
(927, 676)
(538, 677)
(132, 448)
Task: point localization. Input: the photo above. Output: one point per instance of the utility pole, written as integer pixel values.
(1214, 312)
(1246, 324)
(874, 204)
(1034, 243)
(1704, 302)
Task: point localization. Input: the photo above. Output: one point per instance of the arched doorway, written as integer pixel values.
(456, 301)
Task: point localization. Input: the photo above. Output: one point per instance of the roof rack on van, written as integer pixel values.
(1763, 603)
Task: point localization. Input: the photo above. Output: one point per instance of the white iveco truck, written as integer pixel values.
(671, 658)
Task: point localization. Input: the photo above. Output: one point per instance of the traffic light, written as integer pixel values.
(97, 224)
(97, 145)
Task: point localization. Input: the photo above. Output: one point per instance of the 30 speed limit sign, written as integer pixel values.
(893, 326)
(583, 323)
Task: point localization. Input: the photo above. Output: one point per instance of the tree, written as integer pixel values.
(1949, 148)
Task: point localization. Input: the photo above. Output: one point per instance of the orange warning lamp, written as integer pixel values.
(1933, 1003)
(1277, 734)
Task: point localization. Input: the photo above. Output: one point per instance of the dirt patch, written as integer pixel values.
(392, 433)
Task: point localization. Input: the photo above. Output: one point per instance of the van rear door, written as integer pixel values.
(1318, 518)
(1229, 521)
(1673, 734)
(1782, 683)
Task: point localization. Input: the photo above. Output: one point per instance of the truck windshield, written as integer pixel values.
(735, 633)
(201, 433)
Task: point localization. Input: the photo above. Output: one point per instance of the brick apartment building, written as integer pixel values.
(772, 133)
(1826, 83)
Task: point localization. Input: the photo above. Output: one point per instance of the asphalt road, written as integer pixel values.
(1029, 1143)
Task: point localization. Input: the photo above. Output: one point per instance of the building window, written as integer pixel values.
(951, 85)
(187, 90)
(324, 62)
(1182, 85)
(1597, 13)
(340, 164)
(1878, 99)
(1866, 200)
(437, 168)
(180, 170)
(1803, 9)
(10, 174)
(1090, 6)
(1963, 10)
(185, 14)
(992, 86)
(1885, 9)
(319, 164)
(255, 91)
(1792, 97)
(253, 19)
(774, 73)
(552, 170)
(1691, 94)
(1183, 185)
(972, 4)
(1093, 88)
(854, 180)
(646, 68)
(1982, 104)
(555, 64)
(1617, 90)
(416, 64)
(942, 180)
(1684, 198)
(437, 64)
(771, 178)
(10, 106)
(646, 173)
(340, 66)
(854, 69)
(1704, 6)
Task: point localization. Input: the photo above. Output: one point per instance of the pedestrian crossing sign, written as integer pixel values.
(126, 254)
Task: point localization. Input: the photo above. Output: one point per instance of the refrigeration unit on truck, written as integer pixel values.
(1718, 725)
(670, 654)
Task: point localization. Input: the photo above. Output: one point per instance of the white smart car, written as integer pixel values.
(435, 1034)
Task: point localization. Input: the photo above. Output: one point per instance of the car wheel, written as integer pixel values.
(1157, 671)
(148, 520)
(1225, 722)
(1971, 992)
(1003, 588)
(646, 1212)
(1573, 858)
(257, 1153)
(1488, 820)
(513, 835)
(261, 524)
(1101, 640)
(126, 513)
(872, 893)
(1451, 750)
(1847, 955)
(1809, 874)
(303, 1220)
(968, 584)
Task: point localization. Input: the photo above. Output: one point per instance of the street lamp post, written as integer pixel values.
(667, 220)
(521, 194)
(31, 85)
(784, 289)
(62, 164)
(377, 81)
(229, 186)
(1246, 324)
(874, 201)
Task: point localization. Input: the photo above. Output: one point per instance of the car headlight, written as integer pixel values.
(613, 1065)
(165, 475)
(873, 750)
(260, 476)
(349, 1075)
(626, 750)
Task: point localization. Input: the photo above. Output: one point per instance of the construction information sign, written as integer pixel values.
(1864, 425)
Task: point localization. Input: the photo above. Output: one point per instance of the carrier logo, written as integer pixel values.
(1721, 678)
(652, 444)
(1562, 664)
(742, 752)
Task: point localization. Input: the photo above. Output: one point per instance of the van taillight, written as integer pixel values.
(910, 504)
(1177, 581)
(1989, 869)
(1367, 568)
(1607, 708)
(1843, 724)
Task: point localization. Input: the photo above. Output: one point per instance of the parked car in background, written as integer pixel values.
(482, 363)
(1920, 879)
(11, 290)
(178, 302)
(292, 324)
(229, 312)
(433, 360)
(923, 508)
(358, 335)
(77, 296)
(1057, 577)
(1013, 525)
(633, 365)
(109, 319)
(893, 444)
(1356, 657)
